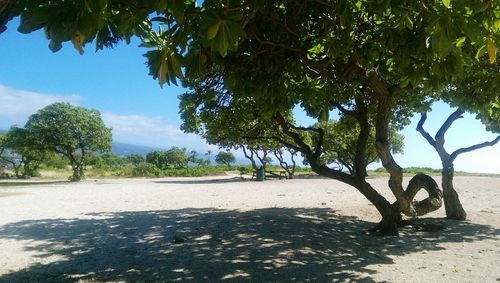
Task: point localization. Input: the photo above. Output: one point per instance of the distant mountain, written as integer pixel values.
(123, 149)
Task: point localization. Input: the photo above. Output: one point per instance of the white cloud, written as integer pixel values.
(17, 105)
(152, 131)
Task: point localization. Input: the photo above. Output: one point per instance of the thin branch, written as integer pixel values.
(306, 149)
(423, 132)
(319, 144)
(342, 109)
(276, 138)
(310, 129)
(474, 147)
(452, 118)
(283, 46)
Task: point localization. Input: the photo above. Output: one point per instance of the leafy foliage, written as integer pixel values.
(175, 157)
(16, 150)
(70, 131)
(135, 159)
(225, 157)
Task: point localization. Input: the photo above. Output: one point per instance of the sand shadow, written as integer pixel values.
(205, 181)
(265, 245)
(25, 183)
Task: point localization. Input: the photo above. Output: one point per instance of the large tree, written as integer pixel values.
(377, 60)
(71, 131)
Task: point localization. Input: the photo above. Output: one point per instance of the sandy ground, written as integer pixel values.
(225, 229)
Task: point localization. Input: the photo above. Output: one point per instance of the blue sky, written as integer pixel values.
(116, 82)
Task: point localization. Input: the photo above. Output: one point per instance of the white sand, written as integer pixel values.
(290, 230)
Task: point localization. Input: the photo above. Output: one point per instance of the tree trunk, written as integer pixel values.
(390, 222)
(78, 173)
(16, 170)
(250, 157)
(390, 214)
(452, 205)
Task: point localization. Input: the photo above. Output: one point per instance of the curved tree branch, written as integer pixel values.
(446, 125)
(423, 132)
(474, 147)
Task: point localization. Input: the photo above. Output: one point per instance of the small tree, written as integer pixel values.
(158, 158)
(193, 158)
(70, 131)
(225, 157)
(16, 149)
(9, 158)
(177, 157)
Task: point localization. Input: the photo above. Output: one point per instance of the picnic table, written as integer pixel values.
(281, 174)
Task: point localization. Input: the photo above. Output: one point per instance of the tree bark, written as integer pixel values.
(452, 204)
(250, 157)
(390, 214)
(384, 112)
(430, 204)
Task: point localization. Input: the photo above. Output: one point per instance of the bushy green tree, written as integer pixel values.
(225, 157)
(8, 158)
(71, 131)
(16, 149)
(177, 157)
(174, 157)
(158, 158)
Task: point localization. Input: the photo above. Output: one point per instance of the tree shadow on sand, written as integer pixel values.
(218, 245)
(202, 181)
(26, 183)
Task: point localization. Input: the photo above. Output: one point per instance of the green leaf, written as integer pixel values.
(176, 65)
(162, 72)
(33, 20)
(176, 7)
(55, 46)
(212, 31)
(447, 3)
(480, 51)
(227, 37)
(444, 44)
(460, 42)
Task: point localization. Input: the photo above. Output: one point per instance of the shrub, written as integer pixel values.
(145, 170)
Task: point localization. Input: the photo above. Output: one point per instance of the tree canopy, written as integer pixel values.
(174, 157)
(71, 131)
(225, 157)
